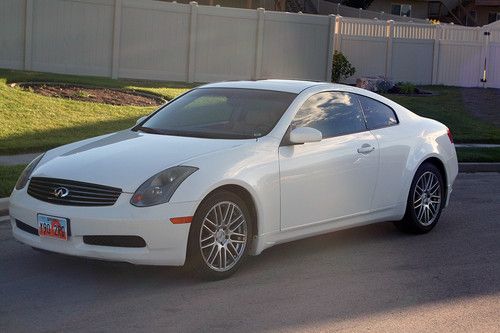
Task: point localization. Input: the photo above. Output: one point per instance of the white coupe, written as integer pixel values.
(230, 169)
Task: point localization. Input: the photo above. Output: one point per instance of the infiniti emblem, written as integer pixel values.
(60, 192)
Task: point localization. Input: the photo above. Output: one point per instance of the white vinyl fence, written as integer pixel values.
(155, 40)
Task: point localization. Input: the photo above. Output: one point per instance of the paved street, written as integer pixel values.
(369, 278)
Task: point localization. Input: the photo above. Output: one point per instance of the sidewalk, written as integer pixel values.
(17, 159)
(476, 145)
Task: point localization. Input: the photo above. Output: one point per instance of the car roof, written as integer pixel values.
(291, 86)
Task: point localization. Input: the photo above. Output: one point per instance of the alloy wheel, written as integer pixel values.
(223, 236)
(427, 198)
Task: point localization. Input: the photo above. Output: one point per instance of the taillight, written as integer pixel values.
(450, 136)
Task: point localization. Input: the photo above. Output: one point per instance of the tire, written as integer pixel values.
(219, 236)
(425, 201)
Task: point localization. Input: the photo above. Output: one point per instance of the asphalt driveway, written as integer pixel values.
(369, 278)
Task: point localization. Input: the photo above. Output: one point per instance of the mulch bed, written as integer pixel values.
(93, 94)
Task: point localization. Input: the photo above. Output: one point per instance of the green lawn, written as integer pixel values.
(8, 178)
(448, 108)
(35, 123)
(478, 154)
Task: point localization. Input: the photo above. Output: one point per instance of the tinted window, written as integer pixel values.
(377, 114)
(220, 113)
(332, 113)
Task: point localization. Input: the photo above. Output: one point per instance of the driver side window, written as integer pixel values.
(333, 113)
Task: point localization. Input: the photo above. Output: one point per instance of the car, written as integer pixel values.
(230, 169)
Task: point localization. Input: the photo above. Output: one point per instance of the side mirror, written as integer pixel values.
(301, 135)
(140, 120)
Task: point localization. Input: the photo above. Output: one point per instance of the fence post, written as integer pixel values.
(28, 35)
(435, 53)
(117, 27)
(260, 42)
(330, 42)
(485, 50)
(192, 42)
(388, 55)
(338, 33)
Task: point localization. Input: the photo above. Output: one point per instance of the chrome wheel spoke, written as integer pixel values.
(211, 223)
(207, 238)
(207, 228)
(420, 212)
(239, 221)
(214, 248)
(210, 244)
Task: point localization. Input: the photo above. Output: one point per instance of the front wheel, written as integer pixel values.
(425, 201)
(220, 236)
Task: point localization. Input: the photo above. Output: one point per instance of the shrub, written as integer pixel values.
(407, 88)
(341, 68)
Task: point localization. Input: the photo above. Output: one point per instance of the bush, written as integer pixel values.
(341, 68)
(407, 88)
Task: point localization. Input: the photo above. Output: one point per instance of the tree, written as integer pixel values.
(341, 68)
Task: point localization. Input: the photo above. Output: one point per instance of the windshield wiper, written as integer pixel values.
(149, 130)
(195, 134)
(208, 135)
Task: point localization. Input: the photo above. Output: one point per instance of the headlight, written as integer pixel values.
(26, 174)
(160, 188)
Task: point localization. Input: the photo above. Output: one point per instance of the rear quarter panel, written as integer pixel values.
(431, 141)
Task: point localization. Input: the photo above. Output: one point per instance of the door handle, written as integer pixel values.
(366, 149)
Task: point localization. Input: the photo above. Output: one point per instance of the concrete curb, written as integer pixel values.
(4, 208)
(478, 167)
(4, 204)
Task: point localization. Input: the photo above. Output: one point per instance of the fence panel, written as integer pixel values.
(72, 36)
(459, 63)
(172, 41)
(154, 41)
(12, 25)
(364, 43)
(412, 60)
(225, 44)
(295, 46)
(493, 55)
(366, 54)
(494, 66)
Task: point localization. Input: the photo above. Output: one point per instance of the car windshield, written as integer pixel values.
(221, 113)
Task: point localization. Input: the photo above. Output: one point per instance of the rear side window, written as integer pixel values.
(332, 113)
(377, 114)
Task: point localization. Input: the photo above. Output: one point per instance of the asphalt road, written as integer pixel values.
(371, 278)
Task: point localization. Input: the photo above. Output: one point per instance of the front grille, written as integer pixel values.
(115, 241)
(24, 227)
(78, 193)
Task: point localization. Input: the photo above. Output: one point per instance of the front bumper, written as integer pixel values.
(166, 243)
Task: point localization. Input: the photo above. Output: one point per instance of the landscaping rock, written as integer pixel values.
(375, 84)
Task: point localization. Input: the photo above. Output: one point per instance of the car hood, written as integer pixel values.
(126, 159)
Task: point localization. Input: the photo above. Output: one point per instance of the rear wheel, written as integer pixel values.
(220, 236)
(425, 201)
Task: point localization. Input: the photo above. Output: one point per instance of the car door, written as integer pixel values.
(394, 149)
(334, 178)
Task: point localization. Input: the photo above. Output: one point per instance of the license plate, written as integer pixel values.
(53, 227)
